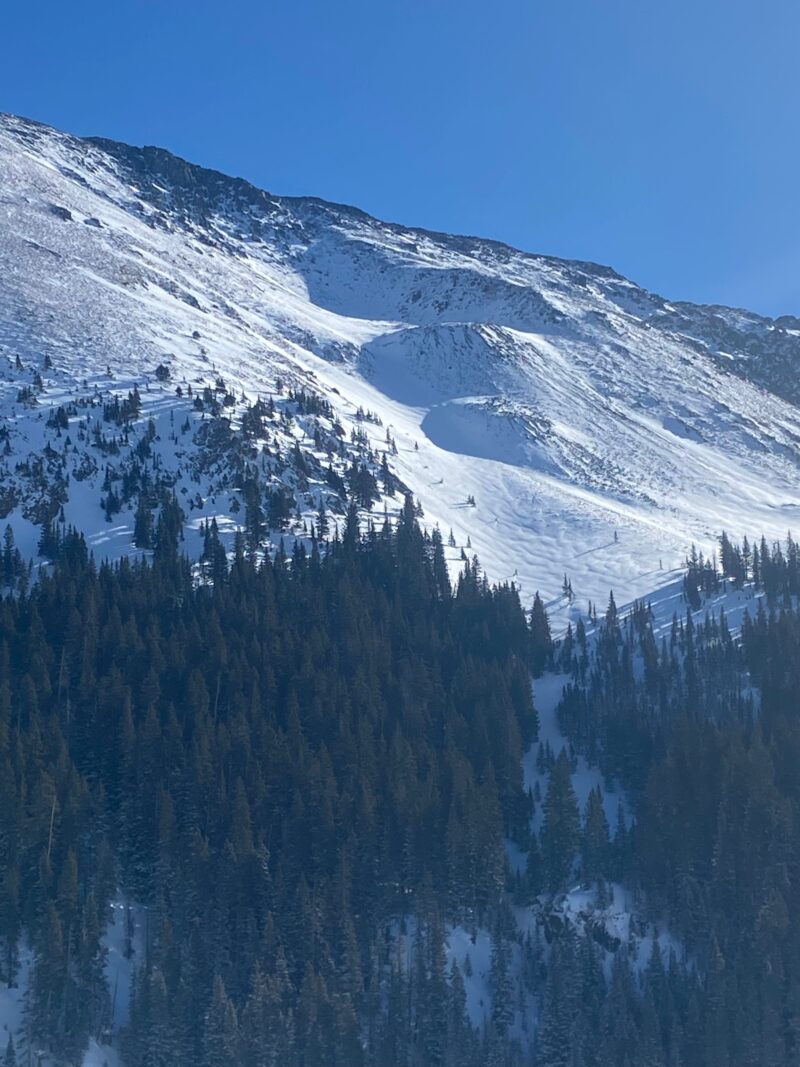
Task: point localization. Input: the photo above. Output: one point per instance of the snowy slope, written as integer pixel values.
(599, 428)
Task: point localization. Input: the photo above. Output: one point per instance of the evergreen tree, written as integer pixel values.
(561, 826)
(221, 1029)
(594, 840)
(541, 639)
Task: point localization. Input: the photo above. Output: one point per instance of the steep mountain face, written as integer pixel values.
(598, 428)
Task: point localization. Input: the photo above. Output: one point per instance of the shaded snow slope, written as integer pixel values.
(571, 405)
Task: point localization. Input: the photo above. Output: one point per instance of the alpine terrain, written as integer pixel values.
(399, 641)
(552, 414)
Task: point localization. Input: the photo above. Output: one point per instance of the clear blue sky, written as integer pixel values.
(661, 138)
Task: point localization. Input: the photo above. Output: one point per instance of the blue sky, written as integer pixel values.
(661, 138)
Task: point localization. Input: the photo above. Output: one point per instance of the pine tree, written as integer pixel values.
(323, 525)
(221, 1029)
(10, 1058)
(611, 613)
(561, 826)
(500, 985)
(143, 524)
(541, 639)
(556, 1038)
(594, 840)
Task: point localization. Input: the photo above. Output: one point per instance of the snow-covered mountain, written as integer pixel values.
(599, 429)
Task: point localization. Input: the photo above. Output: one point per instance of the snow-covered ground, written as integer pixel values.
(123, 943)
(12, 999)
(599, 429)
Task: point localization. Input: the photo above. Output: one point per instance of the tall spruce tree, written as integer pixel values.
(561, 825)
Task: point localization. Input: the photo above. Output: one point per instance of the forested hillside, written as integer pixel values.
(282, 763)
(702, 728)
(307, 775)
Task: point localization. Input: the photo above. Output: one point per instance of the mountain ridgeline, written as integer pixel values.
(513, 394)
